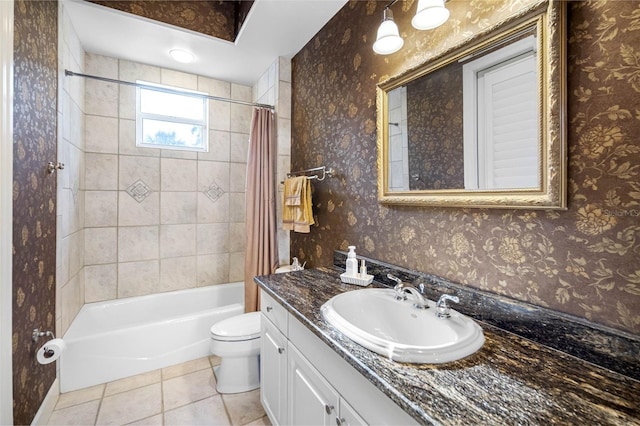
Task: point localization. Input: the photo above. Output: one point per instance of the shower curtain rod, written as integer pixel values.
(166, 90)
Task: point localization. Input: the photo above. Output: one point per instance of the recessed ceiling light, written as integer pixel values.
(181, 55)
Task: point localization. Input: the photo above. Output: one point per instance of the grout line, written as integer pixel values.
(162, 413)
(163, 378)
(104, 389)
(226, 409)
(224, 403)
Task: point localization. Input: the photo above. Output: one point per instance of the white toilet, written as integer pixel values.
(236, 341)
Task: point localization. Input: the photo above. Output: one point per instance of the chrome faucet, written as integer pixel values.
(398, 287)
(419, 300)
(402, 288)
(442, 309)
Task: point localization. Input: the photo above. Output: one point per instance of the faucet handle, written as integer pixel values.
(442, 309)
(394, 278)
(399, 287)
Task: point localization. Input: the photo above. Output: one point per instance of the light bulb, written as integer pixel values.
(430, 14)
(182, 56)
(388, 39)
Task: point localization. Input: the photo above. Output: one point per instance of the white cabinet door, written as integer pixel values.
(348, 416)
(311, 401)
(273, 372)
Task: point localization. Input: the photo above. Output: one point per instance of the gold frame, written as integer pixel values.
(552, 193)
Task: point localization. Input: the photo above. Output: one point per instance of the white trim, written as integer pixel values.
(470, 126)
(46, 408)
(6, 210)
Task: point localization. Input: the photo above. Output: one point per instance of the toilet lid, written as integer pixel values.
(239, 327)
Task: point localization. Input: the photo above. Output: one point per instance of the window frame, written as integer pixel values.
(175, 91)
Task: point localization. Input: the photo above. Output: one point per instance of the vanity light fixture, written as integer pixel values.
(430, 14)
(388, 40)
(181, 55)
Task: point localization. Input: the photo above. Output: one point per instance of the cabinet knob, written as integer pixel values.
(280, 350)
(340, 421)
(328, 408)
(269, 308)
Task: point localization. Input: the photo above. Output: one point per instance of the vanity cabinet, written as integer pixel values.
(304, 382)
(273, 360)
(273, 372)
(312, 400)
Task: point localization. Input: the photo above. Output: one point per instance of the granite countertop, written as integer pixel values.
(510, 380)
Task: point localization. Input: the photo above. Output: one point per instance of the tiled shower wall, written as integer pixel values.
(161, 220)
(398, 140)
(274, 88)
(70, 193)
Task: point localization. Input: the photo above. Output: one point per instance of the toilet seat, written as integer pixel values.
(238, 328)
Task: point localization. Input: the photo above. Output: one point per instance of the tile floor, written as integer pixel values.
(183, 394)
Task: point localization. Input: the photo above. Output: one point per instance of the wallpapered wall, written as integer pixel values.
(583, 261)
(34, 196)
(215, 18)
(434, 118)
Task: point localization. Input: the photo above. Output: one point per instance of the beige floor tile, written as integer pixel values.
(149, 421)
(189, 388)
(133, 382)
(244, 407)
(78, 397)
(81, 414)
(209, 411)
(185, 368)
(188, 392)
(262, 421)
(215, 360)
(130, 406)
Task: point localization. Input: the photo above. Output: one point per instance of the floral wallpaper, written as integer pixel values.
(584, 261)
(34, 198)
(434, 119)
(215, 18)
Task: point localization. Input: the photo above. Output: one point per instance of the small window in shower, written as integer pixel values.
(171, 118)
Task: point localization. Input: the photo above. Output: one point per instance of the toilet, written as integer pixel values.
(236, 341)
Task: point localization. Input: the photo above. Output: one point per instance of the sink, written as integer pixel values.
(397, 330)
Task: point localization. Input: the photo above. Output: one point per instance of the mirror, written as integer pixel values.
(481, 126)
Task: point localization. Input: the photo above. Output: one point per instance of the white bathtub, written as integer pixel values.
(120, 338)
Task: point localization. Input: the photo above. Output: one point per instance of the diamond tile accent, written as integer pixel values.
(139, 190)
(214, 192)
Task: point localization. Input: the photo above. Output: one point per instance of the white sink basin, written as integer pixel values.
(396, 329)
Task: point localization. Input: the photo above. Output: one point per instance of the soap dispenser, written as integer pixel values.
(352, 262)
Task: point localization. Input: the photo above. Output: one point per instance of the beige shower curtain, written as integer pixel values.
(261, 255)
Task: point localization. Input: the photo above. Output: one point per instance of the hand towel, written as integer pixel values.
(293, 190)
(297, 218)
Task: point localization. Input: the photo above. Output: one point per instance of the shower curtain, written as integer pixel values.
(261, 256)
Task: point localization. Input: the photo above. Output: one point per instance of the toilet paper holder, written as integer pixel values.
(37, 334)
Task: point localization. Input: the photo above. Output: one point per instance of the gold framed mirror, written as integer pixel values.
(483, 125)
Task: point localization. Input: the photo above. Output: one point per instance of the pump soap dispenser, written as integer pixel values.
(351, 275)
(352, 262)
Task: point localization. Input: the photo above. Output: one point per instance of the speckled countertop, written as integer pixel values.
(510, 380)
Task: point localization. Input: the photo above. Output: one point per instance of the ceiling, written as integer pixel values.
(273, 28)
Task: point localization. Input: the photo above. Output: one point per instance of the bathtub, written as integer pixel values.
(124, 337)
